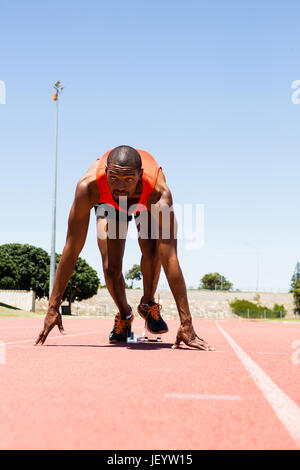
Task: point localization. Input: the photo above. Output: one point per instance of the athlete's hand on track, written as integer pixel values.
(188, 336)
(52, 319)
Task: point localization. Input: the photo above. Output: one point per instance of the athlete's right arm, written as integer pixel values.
(77, 231)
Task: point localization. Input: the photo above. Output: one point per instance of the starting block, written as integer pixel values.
(147, 336)
(135, 339)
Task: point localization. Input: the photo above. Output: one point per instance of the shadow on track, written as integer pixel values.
(139, 346)
(143, 346)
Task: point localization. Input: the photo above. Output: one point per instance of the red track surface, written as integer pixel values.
(79, 392)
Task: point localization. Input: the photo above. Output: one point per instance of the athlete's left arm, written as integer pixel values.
(162, 211)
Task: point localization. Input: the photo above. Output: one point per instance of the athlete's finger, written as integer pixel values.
(44, 333)
(201, 344)
(39, 339)
(60, 327)
(197, 345)
(177, 341)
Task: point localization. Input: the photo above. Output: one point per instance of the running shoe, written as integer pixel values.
(121, 330)
(151, 314)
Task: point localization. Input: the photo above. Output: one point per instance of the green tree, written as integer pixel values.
(83, 284)
(134, 274)
(28, 265)
(8, 272)
(215, 281)
(296, 295)
(295, 276)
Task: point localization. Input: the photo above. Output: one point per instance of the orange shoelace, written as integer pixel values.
(120, 323)
(153, 310)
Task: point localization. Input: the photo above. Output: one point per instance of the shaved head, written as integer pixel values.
(125, 156)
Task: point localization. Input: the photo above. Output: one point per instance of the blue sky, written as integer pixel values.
(205, 86)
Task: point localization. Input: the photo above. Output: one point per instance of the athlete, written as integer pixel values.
(126, 183)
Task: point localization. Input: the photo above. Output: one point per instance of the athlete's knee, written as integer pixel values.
(149, 249)
(112, 271)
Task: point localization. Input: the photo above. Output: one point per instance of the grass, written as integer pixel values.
(9, 311)
(294, 319)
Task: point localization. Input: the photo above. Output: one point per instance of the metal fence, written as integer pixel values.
(264, 314)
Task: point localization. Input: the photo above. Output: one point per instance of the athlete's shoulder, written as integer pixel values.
(87, 185)
(161, 190)
(161, 183)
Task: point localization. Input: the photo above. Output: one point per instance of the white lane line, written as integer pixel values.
(285, 409)
(22, 327)
(202, 397)
(56, 337)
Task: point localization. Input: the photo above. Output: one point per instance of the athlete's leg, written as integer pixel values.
(150, 267)
(150, 262)
(112, 251)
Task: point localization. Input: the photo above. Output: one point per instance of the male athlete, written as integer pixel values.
(126, 182)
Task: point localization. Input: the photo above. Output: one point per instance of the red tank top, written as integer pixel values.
(151, 169)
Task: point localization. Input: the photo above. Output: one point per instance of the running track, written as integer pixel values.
(79, 392)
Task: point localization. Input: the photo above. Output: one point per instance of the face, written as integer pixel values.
(122, 181)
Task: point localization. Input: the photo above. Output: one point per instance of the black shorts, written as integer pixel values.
(106, 211)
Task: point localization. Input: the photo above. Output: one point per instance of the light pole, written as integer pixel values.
(222, 279)
(257, 270)
(58, 89)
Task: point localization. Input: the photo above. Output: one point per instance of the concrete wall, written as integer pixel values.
(23, 299)
(203, 303)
